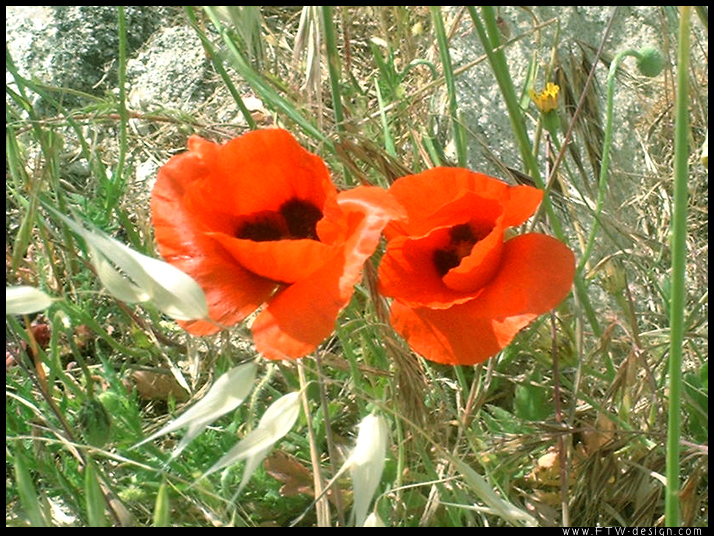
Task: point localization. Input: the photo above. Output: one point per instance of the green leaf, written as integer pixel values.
(531, 400)
(94, 422)
(94, 497)
(162, 509)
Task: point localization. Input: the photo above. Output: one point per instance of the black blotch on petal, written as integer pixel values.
(262, 227)
(301, 218)
(462, 233)
(445, 260)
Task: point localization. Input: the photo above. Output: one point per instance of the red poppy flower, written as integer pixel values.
(258, 220)
(461, 291)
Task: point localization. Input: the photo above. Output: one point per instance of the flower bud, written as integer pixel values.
(95, 422)
(650, 61)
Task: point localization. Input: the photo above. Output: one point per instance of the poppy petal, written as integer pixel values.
(231, 291)
(284, 261)
(485, 221)
(451, 336)
(478, 268)
(421, 193)
(263, 169)
(408, 272)
(536, 273)
(259, 171)
(206, 151)
(520, 204)
(299, 317)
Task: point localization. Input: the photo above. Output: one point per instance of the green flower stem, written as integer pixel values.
(497, 58)
(388, 139)
(605, 161)
(333, 63)
(443, 41)
(116, 184)
(679, 255)
(491, 41)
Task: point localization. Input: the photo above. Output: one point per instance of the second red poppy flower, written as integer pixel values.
(461, 290)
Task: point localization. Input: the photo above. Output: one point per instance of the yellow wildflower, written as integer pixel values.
(546, 100)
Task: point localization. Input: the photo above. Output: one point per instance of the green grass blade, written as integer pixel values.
(28, 493)
(491, 41)
(497, 58)
(333, 63)
(162, 509)
(443, 42)
(218, 65)
(388, 139)
(115, 185)
(269, 95)
(679, 259)
(500, 68)
(94, 497)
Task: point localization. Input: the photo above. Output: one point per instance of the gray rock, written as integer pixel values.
(75, 47)
(169, 71)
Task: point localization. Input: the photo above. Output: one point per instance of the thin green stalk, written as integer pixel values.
(44, 141)
(388, 140)
(329, 439)
(26, 490)
(218, 64)
(443, 42)
(490, 38)
(679, 256)
(497, 58)
(333, 64)
(117, 181)
(605, 160)
(322, 506)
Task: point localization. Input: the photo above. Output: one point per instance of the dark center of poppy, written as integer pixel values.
(295, 219)
(462, 239)
(301, 218)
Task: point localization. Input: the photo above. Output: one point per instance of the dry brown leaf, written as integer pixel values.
(157, 385)
(296, 478)
(595, 437)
